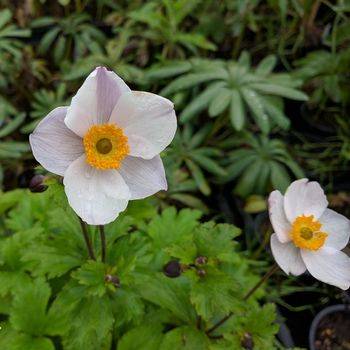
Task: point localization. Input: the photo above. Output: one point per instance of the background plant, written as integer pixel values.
(261, 89)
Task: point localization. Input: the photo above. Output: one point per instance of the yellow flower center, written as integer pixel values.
(306, 233)
(105, 146)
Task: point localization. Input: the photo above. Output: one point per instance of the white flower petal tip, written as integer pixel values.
(96, 196)
(287, 256)
(337, 228)
(148, 120)
(278, 218)
(53, 145)
(95, 100)
(143, 177)
(328, 265)
(304, 198)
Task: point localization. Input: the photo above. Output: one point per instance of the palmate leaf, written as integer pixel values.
(169, 294)
(185, 337)
(262, 164)
(29, 311)
(143, 337)
(88, 320)
(237, 90)
(171, 227)
(13, 340)
(258, 322)
(214, 294)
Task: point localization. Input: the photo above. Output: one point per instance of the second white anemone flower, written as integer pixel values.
(308, 236)
(106, 145)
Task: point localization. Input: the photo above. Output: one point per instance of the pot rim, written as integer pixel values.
(315, 322)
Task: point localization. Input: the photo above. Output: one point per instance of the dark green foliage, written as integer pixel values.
(55, 295)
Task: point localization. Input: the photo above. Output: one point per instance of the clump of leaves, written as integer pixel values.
(164, 26)
(234, 89)
(260, 164)
(54, 297)
(189, 149)
(70, 36)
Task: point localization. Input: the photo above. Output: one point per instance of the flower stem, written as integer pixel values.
(103, 242)
(87, 239)
(267, 275)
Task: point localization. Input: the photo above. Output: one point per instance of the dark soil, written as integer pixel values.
(333, 332)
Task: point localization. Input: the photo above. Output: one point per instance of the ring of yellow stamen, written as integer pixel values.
(306, 233)
(105, 146)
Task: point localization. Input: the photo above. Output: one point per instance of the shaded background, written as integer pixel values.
(261, 90)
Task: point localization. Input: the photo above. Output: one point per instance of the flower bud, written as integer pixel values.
(201, 260)
(247, 341)
(36, 184)
(113, 280)
(172, 269)
(201, 272)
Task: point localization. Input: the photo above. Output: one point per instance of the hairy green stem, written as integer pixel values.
(87, 239)
(103, 242)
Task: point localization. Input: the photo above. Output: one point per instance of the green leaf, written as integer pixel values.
(90, 324)
(220, 102)
(92, 275)
(200, 102)
(245, 186)
(143, 337)
(168, 70)
(29, 305)
(169, 294)
(215, 241)
(171, 227)
(266, 66)
(237, 110)
(257, 108)
(198, 176)
(279, 177)
(185, 338)
(279, 90)
(190, 80)
(215, 294)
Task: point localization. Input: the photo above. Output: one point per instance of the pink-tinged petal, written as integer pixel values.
(287, 256)
(304, 198)
(97, 196)
(337, 227)
(144, 177)
(95, 100)
(53, 145)
(278, 218)
(328, 265)
(148, 120)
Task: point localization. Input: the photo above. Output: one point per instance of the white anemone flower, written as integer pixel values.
(308, 236)
(106, 145)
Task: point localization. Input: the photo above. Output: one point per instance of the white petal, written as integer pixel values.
(144, 177)
(304, 198)
(328, 265)
(97, 196)
(278, 217)
(53, 145)
(337, 227)
(148, 120)
(287, 256)
(95, 100)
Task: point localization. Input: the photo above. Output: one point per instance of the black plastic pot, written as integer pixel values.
(340, 308)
